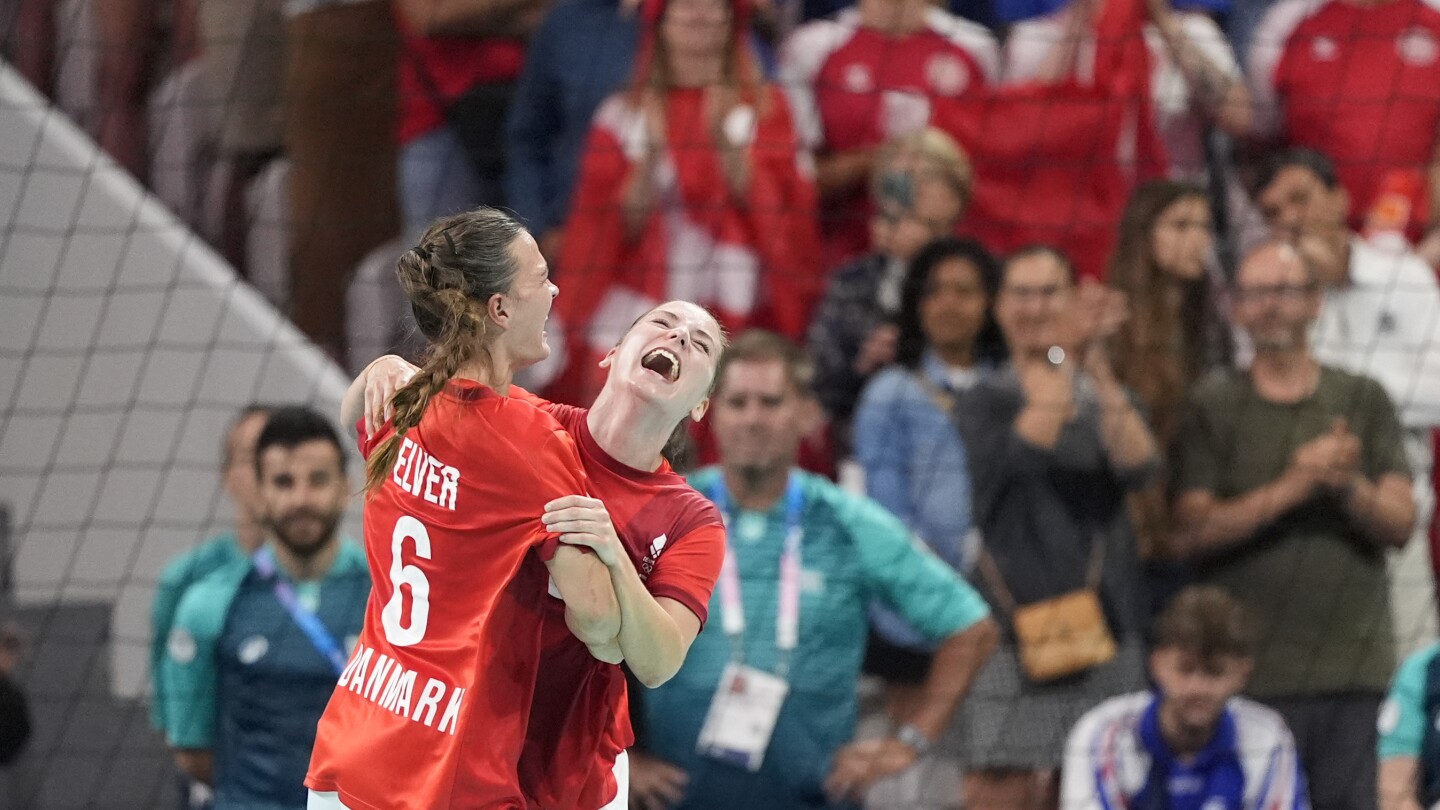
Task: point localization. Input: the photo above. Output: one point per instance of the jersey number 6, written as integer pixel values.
(398, 633)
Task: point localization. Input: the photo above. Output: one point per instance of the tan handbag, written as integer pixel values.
(1060, 636)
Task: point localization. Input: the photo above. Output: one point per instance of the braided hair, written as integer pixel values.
(449, 276)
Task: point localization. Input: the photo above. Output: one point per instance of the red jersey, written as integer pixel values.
(753, 260)
(580, 720)
(433, 71)
(431, 711)
(1358, 83)
(857, 86)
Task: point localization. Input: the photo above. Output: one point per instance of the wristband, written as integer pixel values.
(913, 737)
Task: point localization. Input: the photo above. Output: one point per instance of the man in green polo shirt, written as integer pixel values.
(804, 626)
(257, 646)
(237, 471)
(1292, 485)
(237, 474)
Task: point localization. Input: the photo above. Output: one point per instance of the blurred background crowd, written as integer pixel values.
(1103, 297)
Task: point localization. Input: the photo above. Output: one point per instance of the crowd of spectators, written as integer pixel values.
(744, 153)
(1100, 300)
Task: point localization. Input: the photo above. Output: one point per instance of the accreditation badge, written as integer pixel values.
(742, 716)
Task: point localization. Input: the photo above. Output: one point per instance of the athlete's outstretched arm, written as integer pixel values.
(655, 634)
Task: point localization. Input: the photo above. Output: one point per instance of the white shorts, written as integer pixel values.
(331, 801)
(622, 783)
(325, 801)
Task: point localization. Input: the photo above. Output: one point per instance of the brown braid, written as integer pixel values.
(449, 277)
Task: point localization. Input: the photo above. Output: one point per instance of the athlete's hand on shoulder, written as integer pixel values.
(583, 521)
(383, 377)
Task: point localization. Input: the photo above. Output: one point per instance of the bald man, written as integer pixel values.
(1292, 485)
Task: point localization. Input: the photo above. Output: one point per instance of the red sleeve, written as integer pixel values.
(686, 572)
(558, 472)
(367, 444)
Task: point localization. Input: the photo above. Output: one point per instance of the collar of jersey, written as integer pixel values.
(593, 449)
(468, 390)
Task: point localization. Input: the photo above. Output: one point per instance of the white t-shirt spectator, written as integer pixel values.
(1385, 323)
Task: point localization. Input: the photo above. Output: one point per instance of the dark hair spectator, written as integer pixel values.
(911, 426)
(293, 425)
(1175, 331)
(1192, 738)
(1206, 622)
(1379, 308)
(910, 346)
(1296, 157)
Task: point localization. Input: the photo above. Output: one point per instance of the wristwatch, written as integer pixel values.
(913, 737)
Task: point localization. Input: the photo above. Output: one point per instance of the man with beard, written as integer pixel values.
(1292, 486)
(256, 646)
(1192, 742)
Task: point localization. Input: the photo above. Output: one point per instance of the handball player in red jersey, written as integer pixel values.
(663, 543)
(432, 707)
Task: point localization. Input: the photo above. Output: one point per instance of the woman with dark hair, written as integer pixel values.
(1175, 332)
(909, 428)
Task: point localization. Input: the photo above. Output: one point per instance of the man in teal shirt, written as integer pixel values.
(237, 470)
(1410, 735)
(850, 551)
(256, 647)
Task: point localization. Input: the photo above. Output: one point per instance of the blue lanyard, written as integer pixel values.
(787, 615)
(314, 629)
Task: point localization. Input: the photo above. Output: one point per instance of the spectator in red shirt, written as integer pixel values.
(694, 185)
(458, 65)
(871, 73)
(1359, 81)
(1194, 78)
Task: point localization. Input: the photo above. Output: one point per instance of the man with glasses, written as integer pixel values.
(1379, 316)
(1292, 486)
(1381, 307)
